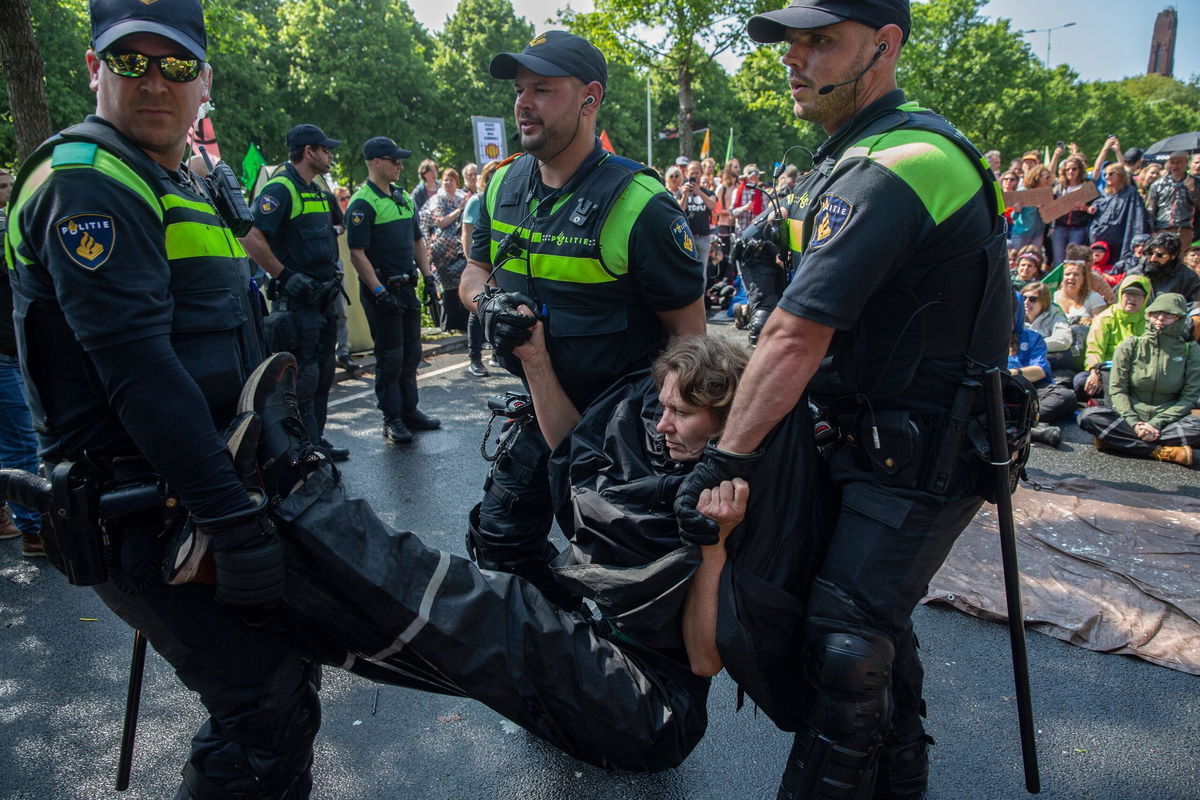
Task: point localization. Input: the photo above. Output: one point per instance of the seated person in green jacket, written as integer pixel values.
(1112, 326)
(1154, 387)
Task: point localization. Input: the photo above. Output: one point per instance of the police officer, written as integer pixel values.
(387, 250)
(600, 251)
(898, 296)
(129, 289)
(293, 239)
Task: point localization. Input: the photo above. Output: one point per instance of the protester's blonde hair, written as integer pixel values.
(707, 370)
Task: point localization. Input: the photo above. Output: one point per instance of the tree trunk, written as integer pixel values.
(686, 107)
(24, 76)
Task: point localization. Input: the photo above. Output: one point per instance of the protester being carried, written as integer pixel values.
(1154, 387)
(1111, 327)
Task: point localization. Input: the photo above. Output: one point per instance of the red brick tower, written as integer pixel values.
(1162, 44)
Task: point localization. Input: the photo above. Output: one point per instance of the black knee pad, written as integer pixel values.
(849, 674)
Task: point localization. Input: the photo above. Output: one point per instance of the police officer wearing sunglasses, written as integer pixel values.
(137, 325)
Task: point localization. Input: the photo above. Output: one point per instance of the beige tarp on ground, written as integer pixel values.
(1106, 569)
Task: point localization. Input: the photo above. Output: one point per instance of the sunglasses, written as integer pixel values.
(1158, 254)
(135, 65)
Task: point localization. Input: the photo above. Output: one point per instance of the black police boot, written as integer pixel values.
(347, 363)
(477, 368)
(903, 772)
(336, 453)
(285, 453)
(417, 420)
(535, 569)
(757, 320)
(394, 431)
(1046, 434)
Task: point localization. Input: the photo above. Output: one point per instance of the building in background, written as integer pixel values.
(1162, 43)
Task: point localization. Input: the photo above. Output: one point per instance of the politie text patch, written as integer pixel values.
(87, 239)
(833, 212)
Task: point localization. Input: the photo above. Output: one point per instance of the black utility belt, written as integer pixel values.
(399, 279)
(904, 449)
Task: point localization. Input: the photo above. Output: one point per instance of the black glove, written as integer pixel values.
(248, 558)
(715, 466)
(387, 303)
(297, 285)
(503, 325)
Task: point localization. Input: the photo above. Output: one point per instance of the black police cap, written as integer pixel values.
(383, 147)
(181, 21)
(554, 54)
(306, 134)
(802, 14)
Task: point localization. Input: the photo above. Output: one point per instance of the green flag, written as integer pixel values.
(729, 147)
(1053, 278)
(251, 164)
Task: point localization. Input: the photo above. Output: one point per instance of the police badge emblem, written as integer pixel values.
(87, 239)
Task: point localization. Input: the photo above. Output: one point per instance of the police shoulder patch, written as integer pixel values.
(357, 217)
(684, 240)
(267, 203)
(833, 212)
(87, 239)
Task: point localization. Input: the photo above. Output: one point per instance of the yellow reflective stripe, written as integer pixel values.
(197, 240)
(566, 269)
(523, 233)
(170, 201)
(31, 185)
(119, 171)
(315, 207)
(796, 235)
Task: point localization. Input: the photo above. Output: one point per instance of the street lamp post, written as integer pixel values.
(1048, 32)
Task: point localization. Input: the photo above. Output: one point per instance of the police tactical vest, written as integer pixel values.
(956, 294)
(390, 208)
(597, 327)
(306, 242)
(216, 329)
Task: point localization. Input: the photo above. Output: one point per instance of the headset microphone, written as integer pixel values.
(883, 46)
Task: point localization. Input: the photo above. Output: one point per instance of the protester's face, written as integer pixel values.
(1033, 306)
(1027, 269)
(734, 166)
(470, 176)
(6, 184)
(1072, 173)
(1194, 164)
(1028, 165)
(449, 184)
(1139, 250)
(1017, 166)
(1073, 277)
(153, 112)
(674, 178)
(1132, 300)
(693, 171)
(1162, 319)
(1159, 257)
(1176, 165)
(1152, 173)
(685, 427)
(1191, 258)
(547, 111)
(1044, 176)
(820, 56)
(994, 162)
(1008, 182)
(1097, 255)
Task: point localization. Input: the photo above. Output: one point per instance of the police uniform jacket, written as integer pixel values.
(135, 316)
(598, 257)
(384, 226)
(295, 218)
(897, 243)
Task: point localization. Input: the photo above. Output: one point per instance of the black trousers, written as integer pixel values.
(1055, 403)
(310, 334)
(258, 686)
(1108, 426)
(397, 355)
(764, 282)
(515, 514)
(381, 603)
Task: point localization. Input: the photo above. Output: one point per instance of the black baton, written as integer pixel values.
(133, 701)
(998, 447)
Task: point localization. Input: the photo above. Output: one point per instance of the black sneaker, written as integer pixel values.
(285, 453)
(419, 421)
(477, 368)
(336, 453)
(394, 431)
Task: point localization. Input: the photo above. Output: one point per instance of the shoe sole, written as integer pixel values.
(263, 381)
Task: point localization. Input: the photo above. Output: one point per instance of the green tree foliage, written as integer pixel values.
(693, 33)
(476, 31)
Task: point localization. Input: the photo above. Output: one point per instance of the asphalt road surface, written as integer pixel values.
(1108, 726)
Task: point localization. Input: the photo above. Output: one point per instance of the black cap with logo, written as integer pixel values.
(554, 54)
(383, 147)
(181, 21)
(307, 134)
(802, 14)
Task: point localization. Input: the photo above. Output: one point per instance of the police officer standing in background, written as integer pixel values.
(128, 289)
(600, 250)
(294, 241)
(387, 250)
(898, 296)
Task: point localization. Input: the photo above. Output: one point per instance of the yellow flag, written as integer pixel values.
(704, 147)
